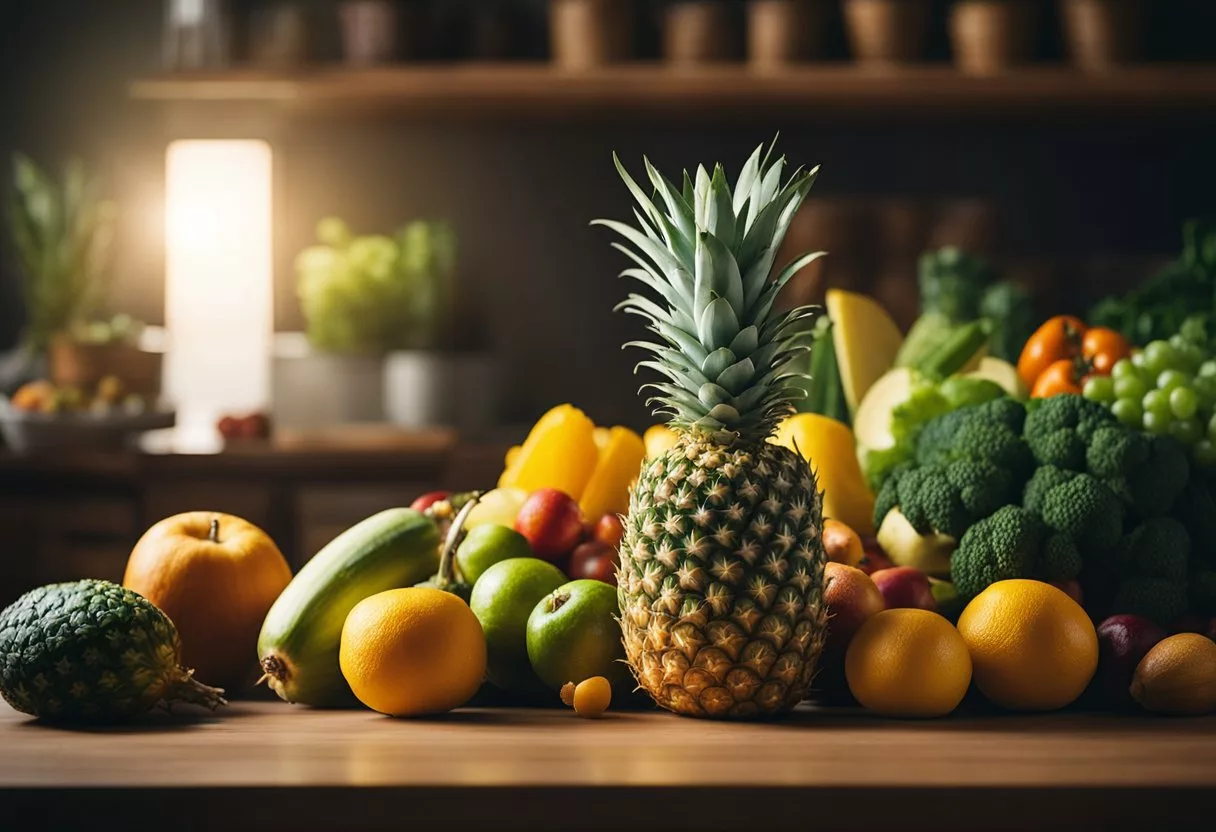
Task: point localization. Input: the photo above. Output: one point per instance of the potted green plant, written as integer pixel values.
(373, 304)
(1102, 34)
(990, 36)
(888, 31)
(62, 233)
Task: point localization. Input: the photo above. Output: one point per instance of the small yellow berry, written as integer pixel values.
(567, 694)
(592, 696)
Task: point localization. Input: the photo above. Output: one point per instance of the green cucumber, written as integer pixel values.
(298, 646)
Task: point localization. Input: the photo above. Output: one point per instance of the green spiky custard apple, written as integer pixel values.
(92, 651)
(721, 576)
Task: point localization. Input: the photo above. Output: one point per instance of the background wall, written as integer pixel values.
(1072, 209)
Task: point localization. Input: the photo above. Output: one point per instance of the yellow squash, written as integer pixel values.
(560, 452)
(828, 445)
(620, 460)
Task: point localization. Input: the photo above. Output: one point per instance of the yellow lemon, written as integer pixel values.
(1033, 648)
(908, 662)
(413, 651)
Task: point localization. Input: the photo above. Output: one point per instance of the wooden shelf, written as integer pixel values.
(646, 91)
(259, 765)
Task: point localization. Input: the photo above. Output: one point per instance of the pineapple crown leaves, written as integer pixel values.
(705, 252)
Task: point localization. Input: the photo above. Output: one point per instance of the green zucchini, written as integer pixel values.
(298, 646)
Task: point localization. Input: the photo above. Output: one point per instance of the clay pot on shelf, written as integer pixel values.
(588, 33)
(1101, 34)
(888, 31)
(700, 31)
(381, 31)
(990, 36)
(781, 32)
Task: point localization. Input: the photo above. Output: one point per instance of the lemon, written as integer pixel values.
(413, 651)
(1033, 648)
(909, 663)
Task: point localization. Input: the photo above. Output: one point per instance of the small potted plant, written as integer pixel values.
(62, 233)
(990, 36)
(888, 31)
(1102, 34)
(589, 33)
(781, 32)
(700, 31)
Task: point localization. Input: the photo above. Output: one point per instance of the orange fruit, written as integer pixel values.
(908, 662)
(413, 651)
(1033, 647)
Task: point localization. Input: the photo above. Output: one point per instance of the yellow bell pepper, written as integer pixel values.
(828, 445)
(619, 464)
(560, 452)
(659, 440)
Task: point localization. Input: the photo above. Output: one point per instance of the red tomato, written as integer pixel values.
(1059, 337)
(1102, 347)
(1059, 377)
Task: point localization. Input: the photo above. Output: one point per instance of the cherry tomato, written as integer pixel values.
(1059, 377)
(1102, 347)
(1059, 337)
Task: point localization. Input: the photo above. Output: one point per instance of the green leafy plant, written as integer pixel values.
(377, 293)
(62, 232)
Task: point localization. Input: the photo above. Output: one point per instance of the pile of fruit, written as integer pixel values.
(935, 521)
(108, 398)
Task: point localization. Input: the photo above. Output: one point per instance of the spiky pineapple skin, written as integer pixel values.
(87, 650)
(721, 579)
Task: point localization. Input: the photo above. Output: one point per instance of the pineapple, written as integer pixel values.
(721, 576)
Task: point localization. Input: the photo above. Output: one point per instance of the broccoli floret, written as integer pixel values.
(1043, 480)
(1085, 510)
(978, 432)
(1161, 548)
(1059, 429)
(982, 487)
(1159, 599)
(1114, 451)
(931, 503)
(1156, 485)
(998, 548)
(887, 497)
(1060, 559)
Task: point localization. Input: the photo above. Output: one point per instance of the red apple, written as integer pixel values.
(552, 523)
(229, 427)
(1123, 640)
(609, 530)
(595, 560)
(255, 426)
(429, 499)
(852, 598)
(875, 559)
(905, 587)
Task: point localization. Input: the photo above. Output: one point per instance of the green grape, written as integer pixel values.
(1156, 401)
(1208, 369)
(1128, 411)
(1194, 331)
(1156, 422)
(1130, 387)
(1138, 359)
(1191, 357)
(1159, 356)
(1184, 402)
(1205, 453)
(1171, 379)
(1099, 389)
(1187, 431)
(1124, 368)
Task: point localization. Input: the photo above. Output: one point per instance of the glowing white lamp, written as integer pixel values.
(218, 283)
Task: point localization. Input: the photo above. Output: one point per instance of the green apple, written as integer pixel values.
(573, 635)
(503, 598)
(487, 545)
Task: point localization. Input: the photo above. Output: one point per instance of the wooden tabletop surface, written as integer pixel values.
(530, 769)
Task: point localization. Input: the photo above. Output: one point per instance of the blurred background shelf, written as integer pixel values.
(475, 92)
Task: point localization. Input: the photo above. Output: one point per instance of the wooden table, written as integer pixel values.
(263, 765)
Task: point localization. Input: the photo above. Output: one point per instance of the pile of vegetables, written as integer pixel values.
(1157, 310)
(956, 289)
(1057, 490)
